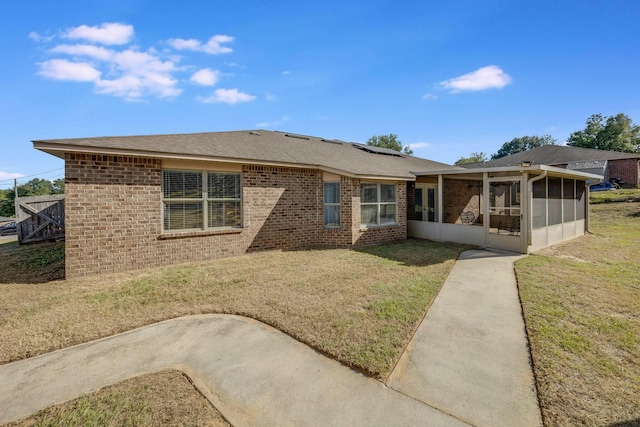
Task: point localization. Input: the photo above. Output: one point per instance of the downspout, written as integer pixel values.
(586, 208)
(543, 175)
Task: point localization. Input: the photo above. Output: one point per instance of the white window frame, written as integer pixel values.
(204, 200)
(325, 204)
(378, 203)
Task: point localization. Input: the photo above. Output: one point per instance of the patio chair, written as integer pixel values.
(468, 218)
(513, 229)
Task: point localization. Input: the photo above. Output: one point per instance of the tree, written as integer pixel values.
(389, 141)
(473, 158)
(523, 143)
(613, 133)
(6, 204)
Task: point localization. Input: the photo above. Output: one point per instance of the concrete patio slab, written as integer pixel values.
(470, 357)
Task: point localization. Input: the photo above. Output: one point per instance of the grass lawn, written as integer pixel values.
(623, 195)
(581, 301)
(358, 306)
(165, 398)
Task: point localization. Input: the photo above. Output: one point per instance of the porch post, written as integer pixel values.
(486, 221)
(440, 199)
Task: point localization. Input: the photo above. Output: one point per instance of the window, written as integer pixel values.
(331, 201)
(378, 205)
(194, 200)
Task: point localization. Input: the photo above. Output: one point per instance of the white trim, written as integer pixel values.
(517, 169)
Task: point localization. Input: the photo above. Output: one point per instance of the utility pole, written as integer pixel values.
(15, 197)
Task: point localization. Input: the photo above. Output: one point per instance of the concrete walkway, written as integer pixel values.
(470, 356)
(252, 373)
(466, 365)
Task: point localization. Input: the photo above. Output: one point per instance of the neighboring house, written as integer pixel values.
(143, 201)
(610, 164)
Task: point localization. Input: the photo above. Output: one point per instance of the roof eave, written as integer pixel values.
(58, 150)
(518, 169)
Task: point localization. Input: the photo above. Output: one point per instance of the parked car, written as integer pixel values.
(9, 228)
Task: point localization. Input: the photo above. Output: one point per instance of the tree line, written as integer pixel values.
(34, 187)
(613, 133)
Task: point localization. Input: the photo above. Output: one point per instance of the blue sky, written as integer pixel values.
(448, 77)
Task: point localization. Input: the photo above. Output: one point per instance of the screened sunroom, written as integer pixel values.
(516, 208)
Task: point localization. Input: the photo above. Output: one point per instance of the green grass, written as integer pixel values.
(359, 306)
(165, 398)
(609, 196)
(581, 301)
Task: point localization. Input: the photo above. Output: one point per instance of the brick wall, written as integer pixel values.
(112, 209)
(411, 200)
(460, 196)
(114, 216)
(626, 170)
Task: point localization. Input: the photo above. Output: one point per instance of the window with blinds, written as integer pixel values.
(195, 200)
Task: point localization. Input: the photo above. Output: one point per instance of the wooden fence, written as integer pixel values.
(40, 218)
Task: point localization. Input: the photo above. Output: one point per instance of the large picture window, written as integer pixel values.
(195, 200)
(331, 202)
(378, 204)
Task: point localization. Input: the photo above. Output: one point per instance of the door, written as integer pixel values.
(505, 208)
(426, 203)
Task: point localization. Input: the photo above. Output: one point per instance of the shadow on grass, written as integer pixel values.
(31, 263)
(415, 252)
(630, 423)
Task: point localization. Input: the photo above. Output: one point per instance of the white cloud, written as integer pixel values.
(491, 77)
(212, 47)
(129, 72)
(263, 125)
(109, 33)
(61, 69)
(39, 37)
(427, 96)
(286, 72)
(419, 145)
(141, 73)
(269, 96)
(9, 175)
(97, 52)
(206, 77)
(227, 96)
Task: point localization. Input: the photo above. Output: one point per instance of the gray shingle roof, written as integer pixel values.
(554, 155)
(258, 146)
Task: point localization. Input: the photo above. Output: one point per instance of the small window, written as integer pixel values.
(331, 202)
(378, 204)
(197, 200)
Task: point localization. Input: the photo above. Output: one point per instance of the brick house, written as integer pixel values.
(144, 201)
(147, 201)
